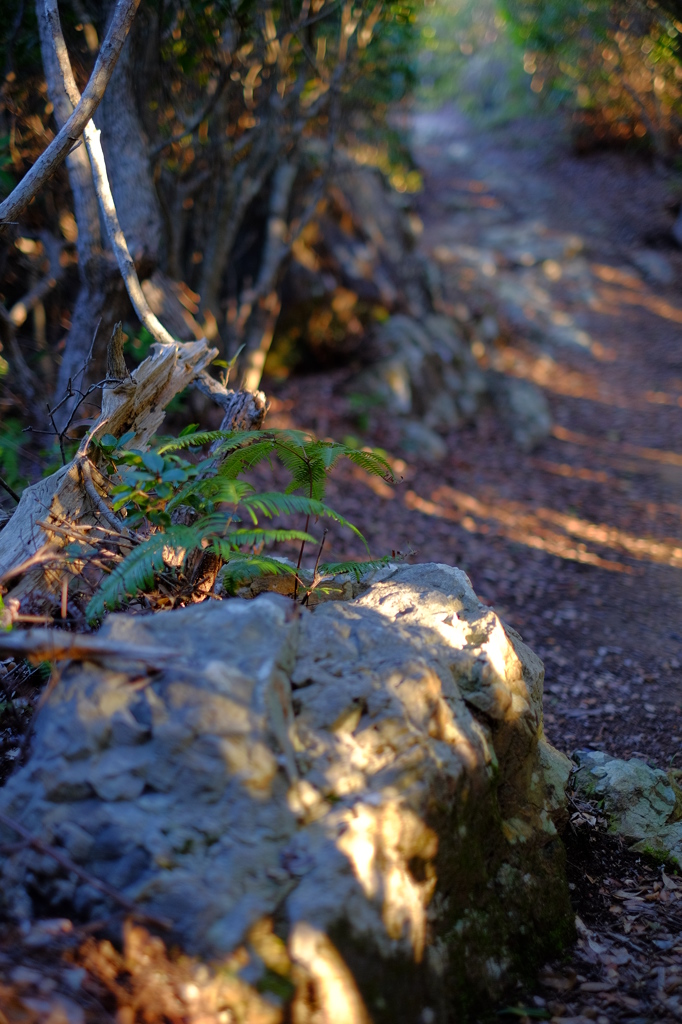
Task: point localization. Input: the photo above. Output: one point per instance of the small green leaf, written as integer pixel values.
(174, 476)
(153, 462)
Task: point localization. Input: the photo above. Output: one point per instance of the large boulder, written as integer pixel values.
(357, 800)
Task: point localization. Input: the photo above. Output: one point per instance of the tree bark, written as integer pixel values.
(137, 206)
(92, 261)
(126, 151)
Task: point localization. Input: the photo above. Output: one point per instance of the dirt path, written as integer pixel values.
(578, 544)
(604, 339)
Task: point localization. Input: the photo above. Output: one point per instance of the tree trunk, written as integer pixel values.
(92, 261)
(126, 151)
(102, 296)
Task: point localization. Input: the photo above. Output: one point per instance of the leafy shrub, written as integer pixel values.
(221, 514)
(617, 63)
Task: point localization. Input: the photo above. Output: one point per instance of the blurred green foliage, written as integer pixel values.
(618, 64)
(468, 55)
(12, 439)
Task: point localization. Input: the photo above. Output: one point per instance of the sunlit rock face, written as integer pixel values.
(356, 799)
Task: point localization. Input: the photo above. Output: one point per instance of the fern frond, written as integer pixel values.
(213, 488)
(239, 571)
(298, 456)
(242, 438)
(371, 462)
(331, 452)
(231, 542)
(277, 504)
(137, 571)
(202, 437)
(246, 457)
(357, 569)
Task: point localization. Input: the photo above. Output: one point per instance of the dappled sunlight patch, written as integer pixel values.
(572, 472)
(335, 989)
(663, 398)
(614, 300)
(617, 447)
(509, 519)
(547, 373)
(616, 275)
(529, 526)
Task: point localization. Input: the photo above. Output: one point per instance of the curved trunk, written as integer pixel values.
(102, 296)
(126, 151)
(91, 260)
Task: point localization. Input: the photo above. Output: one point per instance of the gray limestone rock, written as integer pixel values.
(640, 802)
(420, 440)
(368, 777)
(523, 407)
(656, 267)
(423, 369)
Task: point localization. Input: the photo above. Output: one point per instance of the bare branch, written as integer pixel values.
(61, 145)
(59, 645)
(280, 240)
(20, 310)
(10, 490)
(73, 868)
(106, 513)
(93, 143)
(192, 125)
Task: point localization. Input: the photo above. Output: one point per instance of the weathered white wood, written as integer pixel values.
(137, 405)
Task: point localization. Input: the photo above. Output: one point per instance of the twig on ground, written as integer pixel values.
(43, 556)
(85, 876)
(58, 645)
(107, 514)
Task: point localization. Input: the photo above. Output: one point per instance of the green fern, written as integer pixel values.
(137, 572)
(240, 570)
(155, 484)
(356, 569)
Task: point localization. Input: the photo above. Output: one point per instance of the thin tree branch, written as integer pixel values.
(197, 119)
(61, 145)
(91, 134)
(59, 645)
(100, 504)
(10, 490)
(85, 876)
